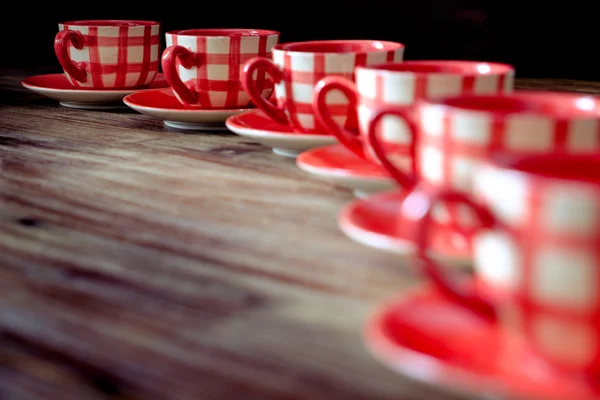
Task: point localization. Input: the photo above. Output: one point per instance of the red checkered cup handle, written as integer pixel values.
(323, 114)
(61, 47)
(423, 200)
(407, 181)
(169, 67)
(249, 84)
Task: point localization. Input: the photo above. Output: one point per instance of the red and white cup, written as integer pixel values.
(297, 67)
(108, 54)
(537, 253)
(401, 85)
(203, 66)
(455, 135)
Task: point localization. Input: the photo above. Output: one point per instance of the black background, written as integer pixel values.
(541, 40)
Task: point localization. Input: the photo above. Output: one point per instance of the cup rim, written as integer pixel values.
(110, 23)
(366, 46)
(552, 104)
(440, 67)
(223, 32)
(567, 167)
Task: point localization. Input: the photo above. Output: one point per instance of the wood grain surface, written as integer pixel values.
(142, 262)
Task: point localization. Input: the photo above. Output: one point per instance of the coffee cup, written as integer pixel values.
(456, 134)
(108, 54)
(402, 85)
(297, 67)
(203, 66)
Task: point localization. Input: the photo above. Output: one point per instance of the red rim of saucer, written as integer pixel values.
(60, 83)
(143, 99)
(337, 160)
(256, 121)
(377, 218)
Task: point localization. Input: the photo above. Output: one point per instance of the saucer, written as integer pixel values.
(427, 338)
(256, 126)
(340, 166)
(57, 87)
(374, 222)
(162, 104)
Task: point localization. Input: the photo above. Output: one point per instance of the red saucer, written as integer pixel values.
(338, 160)
(283, 139)
(426, 337)
(164, 99)
(375, 222)
(162, 104)
(259, 121)
(57, 87)
(60, 82)
(339, 165)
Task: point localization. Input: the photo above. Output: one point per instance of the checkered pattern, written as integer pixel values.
(453, 142)
(302, 71)
(547, 259)
(539, 262)
(116, 57)
(379, 88)
(219, 60)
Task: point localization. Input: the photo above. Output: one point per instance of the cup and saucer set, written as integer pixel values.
(491, 193)
(103, 61)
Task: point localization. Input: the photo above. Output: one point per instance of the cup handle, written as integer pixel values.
(424, 200)
(76, 70)
(249, 85)
(405, 180)
(323, 112)
(169, 67)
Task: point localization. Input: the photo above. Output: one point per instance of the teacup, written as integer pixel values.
(536, 254)
(455, 135)
(203, 66)
(297, 67)
(402, 85)
(108, 54)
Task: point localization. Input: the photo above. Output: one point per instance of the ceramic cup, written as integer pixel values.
(203, 65)
(108, 54)
(456, 134)
(402, 85)
(537, 255)
(297, 67)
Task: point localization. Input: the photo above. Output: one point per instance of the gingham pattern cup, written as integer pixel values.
(537, 255)
(108, 54)
(203, 66)
(402, 85)
(297, 67)
(457, 134)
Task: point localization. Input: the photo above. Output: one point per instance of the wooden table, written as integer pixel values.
(142, 262)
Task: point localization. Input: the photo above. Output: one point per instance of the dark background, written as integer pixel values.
(543, 40)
